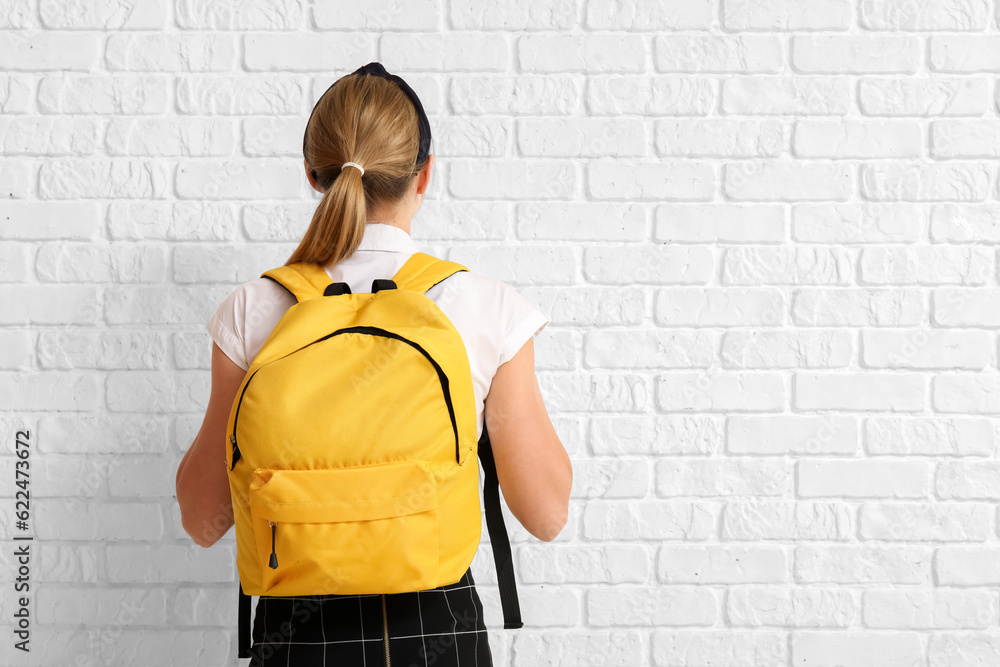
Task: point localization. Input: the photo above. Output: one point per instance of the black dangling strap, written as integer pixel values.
(498, 536)
(382, 283)
(336, 289)
(244, 628)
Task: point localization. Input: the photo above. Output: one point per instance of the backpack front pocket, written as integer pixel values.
(369, 529)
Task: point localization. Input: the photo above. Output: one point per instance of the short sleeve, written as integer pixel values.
(225, 327)
(521, 321)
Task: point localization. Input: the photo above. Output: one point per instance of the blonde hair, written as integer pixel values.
(365, 119)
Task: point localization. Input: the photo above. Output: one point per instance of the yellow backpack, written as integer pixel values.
(352, 456)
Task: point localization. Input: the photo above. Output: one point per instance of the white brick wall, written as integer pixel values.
(766, 235)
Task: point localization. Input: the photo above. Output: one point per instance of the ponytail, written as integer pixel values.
(368, 120)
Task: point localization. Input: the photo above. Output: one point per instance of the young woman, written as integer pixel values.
(366, 150)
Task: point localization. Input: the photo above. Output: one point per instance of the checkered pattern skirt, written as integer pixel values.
(439, 627)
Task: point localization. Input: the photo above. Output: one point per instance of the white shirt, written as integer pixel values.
(494, 320)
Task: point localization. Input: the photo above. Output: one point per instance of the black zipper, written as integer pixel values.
(232, 438)
(375, 331)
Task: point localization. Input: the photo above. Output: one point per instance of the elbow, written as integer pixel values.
(550, 530)
(196, 530)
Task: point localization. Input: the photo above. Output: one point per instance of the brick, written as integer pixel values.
(162, 305)
(658, 264)
(69, 391)
(102, 434)
(967, 566)
(15, 262)
(580, 221)
(49, 304)
(104, 14)
(938, 609)
(174, 137)
(598, 52)
(580, 392)
(681, 434)
(192, 350)
(965, 53)
(963, 265)
(900, 181)
(651, 95)
(713, 306)
(248, 15)
(171, 52)
(858, 139)
(619, 647)
(527, 94)
(584, 137)
(718, 138)
(649, 520)
(257, 179)
(746, 54)
(634, 606)
(529, 264)
(756, 265)
(964, 223)
(17, 180)
(16, 93)
(102, 179)
(945, 648)
(47, 51)
(237, 96)
(787, 95)
(16, 352)
(786, 349)
(900, 392)
(94, 521)
(305, 51)
(512, 179)
(855, 54)
(611, 479)
(722, 478)
(153, 391)
(933, 15)
(780, 434)
(642, 349)
(721, 564)
(632, 180)
(863, 649)
(864, 478)
(855, 564)
(932, 436)
(922, 96)
(757, 607)
(737, 649)
(45, 136)
(271, 137)
(69, 350)
(380, 15)
(277, 222)
(495, 15)
(114, 95)
(874, 307)
(719, 392)
(166, 563)
(947, 350)
(225, 264)
(18, 14)
(100, 607)
(857, 223)
(959, 306)
(923, 522)
(668, 15)
(971, 393)
(100, 262)
(767, 519)
(789, 181)
(967, 480)
(964, 138)
(172, 221)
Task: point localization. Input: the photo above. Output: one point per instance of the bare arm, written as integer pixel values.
(533, 467)
(202, 481)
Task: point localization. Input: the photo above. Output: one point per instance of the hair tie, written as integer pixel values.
(353, 164)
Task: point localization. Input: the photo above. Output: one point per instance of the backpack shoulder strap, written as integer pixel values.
(304, 280)
(422, 272)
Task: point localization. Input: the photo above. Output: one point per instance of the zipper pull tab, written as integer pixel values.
(274, 557)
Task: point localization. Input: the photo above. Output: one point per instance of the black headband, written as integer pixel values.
(376, 69)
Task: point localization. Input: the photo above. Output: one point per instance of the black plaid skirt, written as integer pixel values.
(438, 627)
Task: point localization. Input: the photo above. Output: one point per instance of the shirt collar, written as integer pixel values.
(387, 238)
